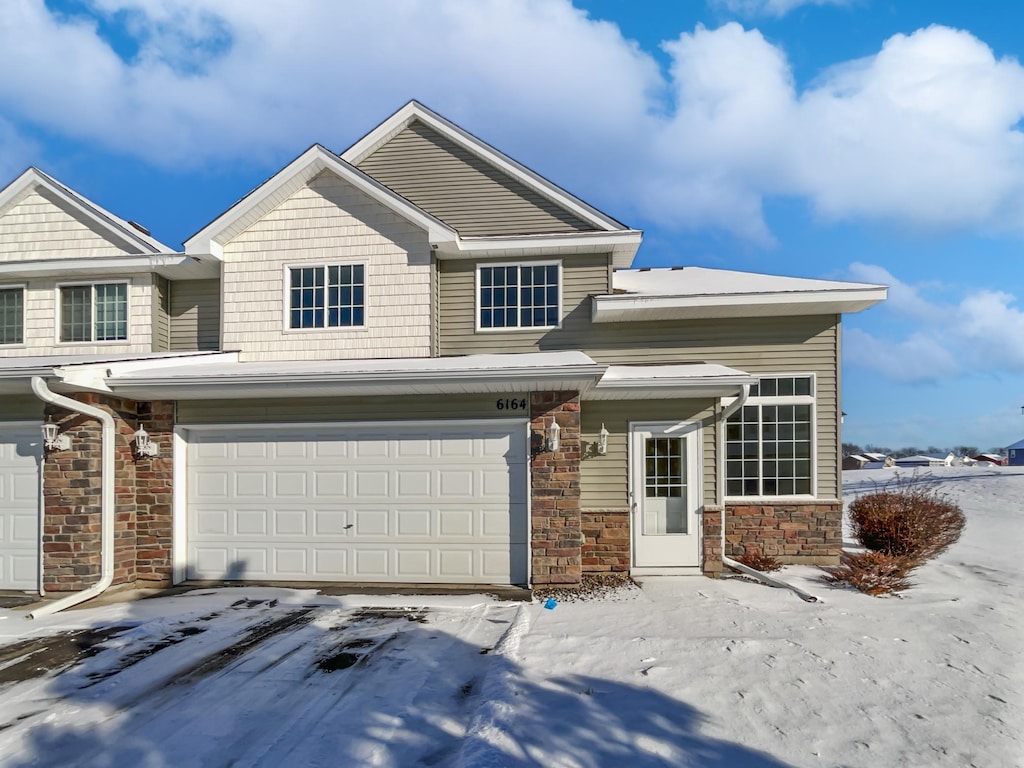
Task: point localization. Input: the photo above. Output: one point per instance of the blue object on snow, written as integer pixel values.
(550, 603)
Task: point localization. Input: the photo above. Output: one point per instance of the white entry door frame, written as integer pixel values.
(666, 497)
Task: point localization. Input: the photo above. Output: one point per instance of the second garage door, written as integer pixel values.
(429, 503)
(20, 454)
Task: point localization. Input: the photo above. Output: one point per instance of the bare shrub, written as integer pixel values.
(754, 558)
(912, 521)
(874, 573)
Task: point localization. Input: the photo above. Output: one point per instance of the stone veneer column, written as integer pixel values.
(556, 540)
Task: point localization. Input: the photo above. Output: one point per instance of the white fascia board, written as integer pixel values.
(624, 307)
(175, 266)
(416, 111)
(621, 382)
(93, 377)
(624, 243)
(115, 225)
(310, 163)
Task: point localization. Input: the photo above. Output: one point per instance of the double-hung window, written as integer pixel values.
(328, 296)
(97, 312)
(12, 315)
(519, 296)
(769, 443)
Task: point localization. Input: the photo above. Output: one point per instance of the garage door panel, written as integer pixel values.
(430, 504)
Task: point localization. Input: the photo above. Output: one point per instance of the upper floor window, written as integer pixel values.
(330, 296)
(12, 315)
(769, 442)
(519, 296)
(97, 312)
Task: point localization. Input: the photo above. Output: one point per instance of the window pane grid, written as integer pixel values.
(768, 444)
(664, 475)
(76, 313)
(519, 296)
(12, 316)
(111, 312)
(331, 296)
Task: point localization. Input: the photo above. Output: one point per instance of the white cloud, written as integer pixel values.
(777, 8)
(922, 133)
(984, 331)
(15, 151)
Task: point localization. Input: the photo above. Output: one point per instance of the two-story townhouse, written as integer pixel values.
(431, 365)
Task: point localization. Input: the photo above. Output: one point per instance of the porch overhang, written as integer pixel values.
(660, 382)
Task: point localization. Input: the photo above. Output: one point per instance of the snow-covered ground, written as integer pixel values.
(683, 672)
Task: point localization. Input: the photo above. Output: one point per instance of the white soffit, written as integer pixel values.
(275, 190)
(622, 245)
(686, 380)
(173, 266)
(114, 226)
(698, 292)
(413, 110)
(398, 376)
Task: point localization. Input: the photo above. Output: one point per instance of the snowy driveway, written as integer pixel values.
(260, 677)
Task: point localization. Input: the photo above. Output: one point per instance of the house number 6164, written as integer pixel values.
(512, 404)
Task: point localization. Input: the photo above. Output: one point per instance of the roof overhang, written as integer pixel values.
(230, 379)
(214, 236)
(173, 266)
(622, 245)
(659, 382)
(632, 307)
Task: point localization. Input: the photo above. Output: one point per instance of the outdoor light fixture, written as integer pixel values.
(554, 431)
(144, 446)
(602, 442)
(52, 439)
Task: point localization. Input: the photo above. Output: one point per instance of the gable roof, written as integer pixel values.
(275, 190)
(110, 225)
(588, 218)
(692, 292)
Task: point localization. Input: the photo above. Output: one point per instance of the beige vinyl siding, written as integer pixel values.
(328, 222)
(21, 408)
(331, 409)
(604, 480)
(460, 189)
(42, 313)
(582, 276)
(195, 315)
(39, 226)
(161, 314)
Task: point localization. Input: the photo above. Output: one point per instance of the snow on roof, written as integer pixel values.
(701, 281)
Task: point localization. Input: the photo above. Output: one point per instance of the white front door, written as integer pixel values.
(665, 494)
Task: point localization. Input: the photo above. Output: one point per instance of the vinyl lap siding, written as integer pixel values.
(37, 227)
(582, 276)
(161, 314)
(195, 315)
(328, 222)
(460, 189)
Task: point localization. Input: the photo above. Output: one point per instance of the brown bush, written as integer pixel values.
(754, 558)
(874, 573)
(906, 520)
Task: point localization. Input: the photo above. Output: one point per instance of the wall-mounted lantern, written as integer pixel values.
(554, 435)
(602, 442)
(144, 445)
(53, 440)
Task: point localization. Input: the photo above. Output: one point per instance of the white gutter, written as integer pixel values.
(106, 498)
(738, 403)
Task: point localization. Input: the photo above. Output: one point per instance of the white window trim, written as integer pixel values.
(286, 296)
(24, 314)
(518, 328)
(58, 308)
(811, 400)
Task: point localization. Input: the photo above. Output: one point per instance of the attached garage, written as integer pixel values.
(421, 502)
(20, 457)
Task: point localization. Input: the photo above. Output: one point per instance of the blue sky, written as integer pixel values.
(842, 139)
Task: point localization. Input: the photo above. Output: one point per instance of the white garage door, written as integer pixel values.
(424, 503)
(20, 453)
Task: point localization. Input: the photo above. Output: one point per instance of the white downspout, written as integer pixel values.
(738, 403)
(106, 498)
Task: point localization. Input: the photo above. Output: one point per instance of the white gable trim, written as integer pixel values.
(113, 225)
(212, 238)
(416, 111)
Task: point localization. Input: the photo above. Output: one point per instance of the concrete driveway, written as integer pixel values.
(246, 677)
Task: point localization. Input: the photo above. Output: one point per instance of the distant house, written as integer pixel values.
(1014, 454)
(993, 458)
(867, 461)
(925, 461)
(855, 461)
